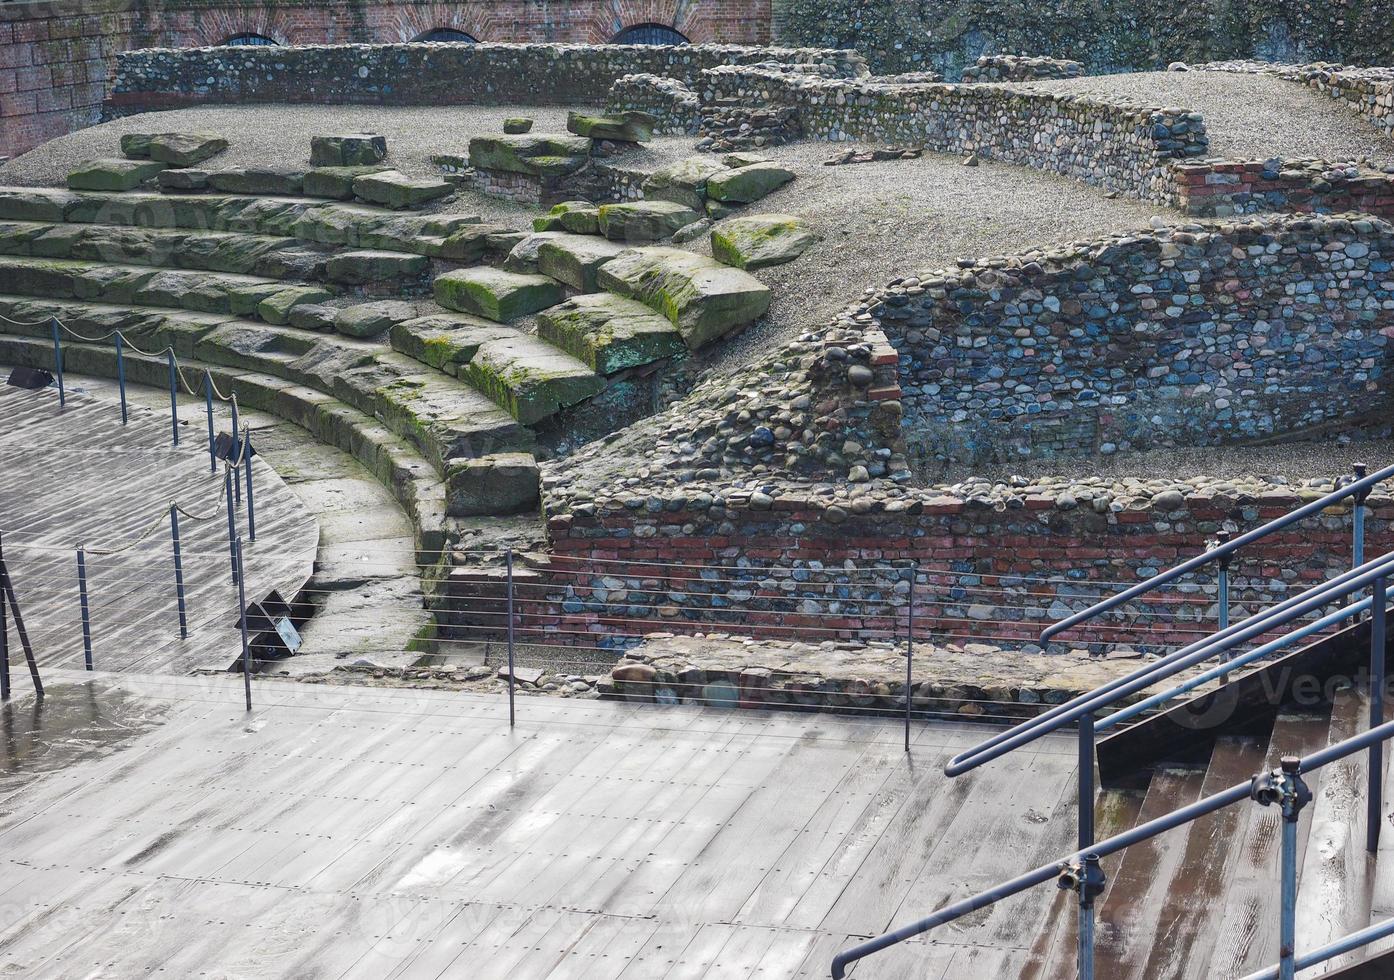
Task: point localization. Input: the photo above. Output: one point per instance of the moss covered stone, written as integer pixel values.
(337, 182)
(746, 184)
(184, 149)
(576, 259)
(624, 127)
(610, 333)
(517, 125)
(495, 293)
(536, 154)
(499, 483)
(684, 182)
(113, 175)
(445, 340)
(701, 297)
(367, 266)
(530, 378)
(347, 150)
(372, 319)
(258, 180)
(394, 189)
(275, 309)
(758, 240)
(644, 221)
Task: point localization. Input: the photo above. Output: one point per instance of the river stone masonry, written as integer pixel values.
(1020, 68)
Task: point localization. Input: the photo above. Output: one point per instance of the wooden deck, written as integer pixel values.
(77, 475)
(148, 824)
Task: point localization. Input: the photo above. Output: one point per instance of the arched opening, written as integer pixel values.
(649, 34)
(250, 39)
(446, 35)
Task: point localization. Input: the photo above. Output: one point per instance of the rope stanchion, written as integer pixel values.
(242, 618)
(178, 572)
(86, 613)
(212, 443)
(246, 450)
(173, 399)
(236, 471)
(58, 363)
(231, 524)
(121, 375)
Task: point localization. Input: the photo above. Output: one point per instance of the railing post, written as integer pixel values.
(58, 362)
(82, 603)
(1284, 787)
(4, 651)
(251, 507)
(1375, 796)
(1222, 538)
(173, 399)
(1091, 885)
(910, 652)
(7, 590)
(242, 620)
(121, 375)
(208, 398)
(1357, 524)
(236, 470)
(1086, 841)
(508, 559)
(231, 525)
(178, 572)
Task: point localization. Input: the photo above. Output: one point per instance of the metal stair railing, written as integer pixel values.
(1084, 876)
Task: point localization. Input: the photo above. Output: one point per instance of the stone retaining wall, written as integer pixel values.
(1223, 188)
(1123, 146)
(1020, 68)
(672, 103)
(1186, 336)
(422, 74)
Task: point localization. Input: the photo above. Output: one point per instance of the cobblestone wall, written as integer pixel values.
(668, 100)
(1369, 91)
(1120, 145)
(1223, 188)
(421, 74)
(1186, 336)
(1020, 68)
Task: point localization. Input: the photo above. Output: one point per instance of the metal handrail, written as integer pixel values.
(1348, 942)
(1108, 694)
(1074, 867)
(1354, 488)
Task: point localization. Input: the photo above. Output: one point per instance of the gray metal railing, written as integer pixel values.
(1080, 872)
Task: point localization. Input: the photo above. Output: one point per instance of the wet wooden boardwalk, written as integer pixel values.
(78, 476)
(148, 824)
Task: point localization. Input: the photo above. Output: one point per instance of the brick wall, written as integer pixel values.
(55, 55)
(1224, 188)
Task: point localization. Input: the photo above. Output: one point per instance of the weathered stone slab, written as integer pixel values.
(113, 175)
(746, 184)
(347, 150)
(394, 189)
(182, 179)
(609, 333)
(473, 242)
(517, 125)
(523, 256)
(632, 126)
(362, 267)
(701, 297)
(337, 182)
(313, 316)
(684, 182)
(445, 340)
(258, 180)
(136, 146)
(529, 377)
(184, 149)
(644, 221)
(34, 203)
(275, 309)
(372, 319)
(575, 259)
(759, 240)
(537, 154)
(499, 483)
(496, 293)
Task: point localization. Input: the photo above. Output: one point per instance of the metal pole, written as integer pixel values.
(1222, 538)
(242, 614)
(236, 472)
(1090, 883)
(121, 375)
(178, 572)
(1357, 522)
(231, 524)
(512, 715)
(58, 363)
(1374, 797)
(910, 652)
(8, 590)
(1086, 841)
(173, 399)
(251, 507)
(208, 398)
(1287, 930)
(82, 600)
(4, 651)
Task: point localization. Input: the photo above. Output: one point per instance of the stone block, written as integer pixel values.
(609, 333)
(363, 267)
(536, 154)
(517, 125)
(394, 189)
(136, 146)
(275, 309)
(185, 149)
(644, 221)
(529, 377)
(184, 179)
(684, 182)
(632, 126)
(499, 483)
(759, 240)
(746, 184)
(445, 340)
(347, 150)
(701, 297)
(113, 175)
(337, 182)
(372, 319)
(258, 180)
(496, 293)
(576, 259)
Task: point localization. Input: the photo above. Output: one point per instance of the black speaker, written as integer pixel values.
(31, 378)
(228, 446)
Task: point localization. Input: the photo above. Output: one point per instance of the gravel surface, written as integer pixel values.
(1248, 116)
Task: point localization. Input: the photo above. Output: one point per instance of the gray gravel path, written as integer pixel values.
(1248, 116)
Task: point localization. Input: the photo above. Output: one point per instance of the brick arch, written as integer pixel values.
(217, 26)
(411, 22)
(613, 16)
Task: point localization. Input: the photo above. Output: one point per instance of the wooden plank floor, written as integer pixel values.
(76, 475)
(148, 824)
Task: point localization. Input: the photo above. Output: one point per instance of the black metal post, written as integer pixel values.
(173, 398)
(8, 587)
(231, 524)
(910, 653)
(121, 375)
(1357, 525)
(58, 362)
(208, 399)
(82, 602)
(1375, 796)
(251, 507)
(4, 651)
(236, 469)
(178, 572)
(242, 619)
(512, 714)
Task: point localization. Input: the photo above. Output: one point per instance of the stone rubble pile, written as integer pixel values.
(1020, 68)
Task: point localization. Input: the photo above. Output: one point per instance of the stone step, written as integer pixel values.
(415, 484)
(270, 300)
(534, 154)
(529, 377)
(117, 174)
(704, 299)
(441, 416)
(644, 221)
(270, 256)
(446, 341)
(497, 294)
(610, 333)
(576, 259)
(308, 219)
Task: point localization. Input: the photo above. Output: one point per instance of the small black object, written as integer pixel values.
(228, 446)
(30, 378)
(275, 634)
